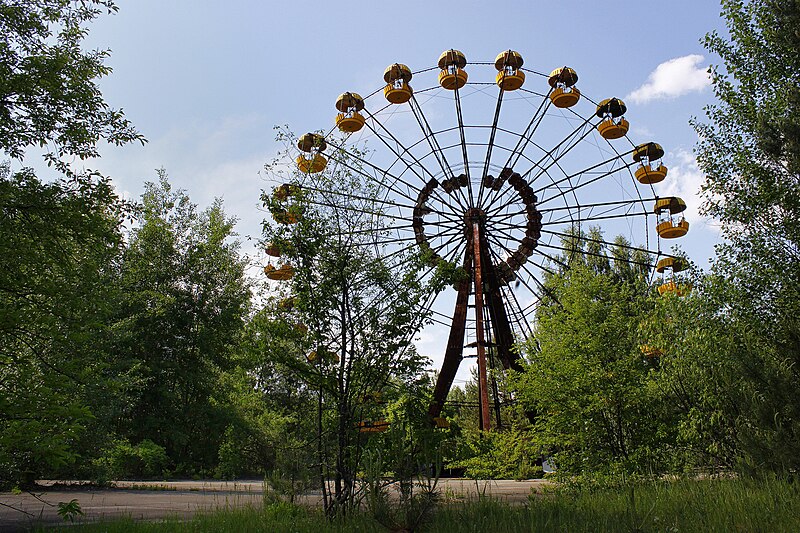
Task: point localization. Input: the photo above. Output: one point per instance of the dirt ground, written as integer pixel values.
(160, 500)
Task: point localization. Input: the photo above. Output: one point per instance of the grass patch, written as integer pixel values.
(277, 517)
(682, 506)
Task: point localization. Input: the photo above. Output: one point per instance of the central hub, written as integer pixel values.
(473, 215)
(511, 235)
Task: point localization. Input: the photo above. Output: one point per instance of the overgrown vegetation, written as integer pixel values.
(131, 346)
(710, 506)
(352, 316)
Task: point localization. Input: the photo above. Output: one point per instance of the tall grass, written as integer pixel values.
(686, 506)
(275, 517)
(769, 506)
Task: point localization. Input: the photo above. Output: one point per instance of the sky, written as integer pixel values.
(206, 82)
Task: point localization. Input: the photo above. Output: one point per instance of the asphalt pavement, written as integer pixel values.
(149, 500)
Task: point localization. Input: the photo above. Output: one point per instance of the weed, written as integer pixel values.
(69, 510)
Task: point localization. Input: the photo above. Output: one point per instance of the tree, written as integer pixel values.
(272, 423)
(700, 375)
(186, 298)
(750, 152)
(49, 95)
(360, 311)
(586, 376)
(60, 239)
(59, 246)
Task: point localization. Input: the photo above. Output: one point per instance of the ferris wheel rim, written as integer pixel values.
(399, 177)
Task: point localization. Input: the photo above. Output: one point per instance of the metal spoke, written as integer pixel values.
(490, 144)
(529, 131)
(405, 150)
(590, 219)
(437, 151)
(609, 243)
(463, 143)
(549, 154)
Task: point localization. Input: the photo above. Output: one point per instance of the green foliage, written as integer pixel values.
(272, 423)
(145, 460)
(360, 311)
(69, 510)
(406, 459)
(731, 386)
(586, 377)
(750, 153)
(59, 242)
(506, 454)
(681, 505)
(715, 505)
(448, 273)
(276, 516)
(509, 451)
(288, 438)
(232, 454)
(49, 94)
(185, 301)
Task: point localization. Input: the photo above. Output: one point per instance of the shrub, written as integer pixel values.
(145, 460)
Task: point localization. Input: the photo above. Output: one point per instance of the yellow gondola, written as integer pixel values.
(672, 230)
(453, 76)
(613, 124)
(311, 165)
(647, 154)
(670, 287)
(441, 423)
(349, 120)
(509, 74)
(273, 250)
(283, 273)
(284, 191)
(282, 216)
(312, 145)
(372, 426)
(673, 264)
(564, 93)
(287, 304)
(666, 208)
(651, 352)
(373, 397)
(322, 355)
(397, 90)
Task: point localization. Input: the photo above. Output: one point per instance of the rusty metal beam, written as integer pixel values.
(483, 386)
(455, 343)
(498, 315)
(502, 329)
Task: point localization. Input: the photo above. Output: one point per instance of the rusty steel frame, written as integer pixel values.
(477, 262)
(483, 385)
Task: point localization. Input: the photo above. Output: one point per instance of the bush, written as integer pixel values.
(499, 455)
(146, 460)
(233, 460)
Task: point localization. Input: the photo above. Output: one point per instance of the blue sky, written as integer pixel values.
(205, 82)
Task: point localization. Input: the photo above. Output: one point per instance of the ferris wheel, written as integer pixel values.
(493, 167)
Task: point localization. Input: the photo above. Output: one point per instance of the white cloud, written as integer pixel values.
(639, 131)
(673, 78)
